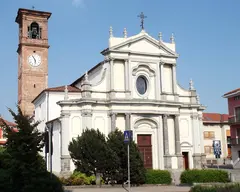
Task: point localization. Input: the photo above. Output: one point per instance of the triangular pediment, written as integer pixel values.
(143, 44)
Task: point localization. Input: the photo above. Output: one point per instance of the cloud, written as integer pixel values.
(78, 3)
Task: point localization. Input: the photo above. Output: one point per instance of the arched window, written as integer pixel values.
(34, 31)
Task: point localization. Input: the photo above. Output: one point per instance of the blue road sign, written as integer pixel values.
(127, 136)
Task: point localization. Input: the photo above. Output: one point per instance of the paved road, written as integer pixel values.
(134, 189)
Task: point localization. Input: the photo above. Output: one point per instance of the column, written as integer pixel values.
(126, 76)
(167, 157)
(127, 121)
(174, 79)
(113, 121)
(65, 139)
(177, 142)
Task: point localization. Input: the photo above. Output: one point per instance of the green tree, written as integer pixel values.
(137, 171)
(91, 154)
(22, 168)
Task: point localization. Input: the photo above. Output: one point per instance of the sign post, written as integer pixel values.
(217, 149)
(127, 139)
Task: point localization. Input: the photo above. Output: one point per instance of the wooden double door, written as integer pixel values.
(144, 143)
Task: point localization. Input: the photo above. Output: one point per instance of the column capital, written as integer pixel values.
(177, 115)
(194, 116)
(86, 112)
(165, 115)
(161, 63)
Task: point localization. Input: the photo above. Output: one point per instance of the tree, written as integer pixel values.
(91, 154)
(22, 167)
(137, 171)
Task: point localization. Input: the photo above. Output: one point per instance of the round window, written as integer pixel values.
(141, 85)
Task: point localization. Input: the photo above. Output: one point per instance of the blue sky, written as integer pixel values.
(207, 38)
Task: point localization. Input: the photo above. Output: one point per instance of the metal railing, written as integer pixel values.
(235, 141)
(233, 120)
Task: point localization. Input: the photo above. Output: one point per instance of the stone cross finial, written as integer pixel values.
(172, 38)
(66, 93)
(125, 33)
(198, 99)
(160, 36)
(111, 31)
(191, 87)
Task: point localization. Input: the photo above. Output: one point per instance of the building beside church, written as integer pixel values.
(134, 87)
(233, 98)
(216, 127)
(2, 124)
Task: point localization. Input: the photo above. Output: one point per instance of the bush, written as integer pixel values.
(78, 178)
(158, 177)
(217, 188)
(204, 176)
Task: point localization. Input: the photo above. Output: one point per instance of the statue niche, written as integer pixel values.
(34, 31)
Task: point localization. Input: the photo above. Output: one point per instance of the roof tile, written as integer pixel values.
(215, 117)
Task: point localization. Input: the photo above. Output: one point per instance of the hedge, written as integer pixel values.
(158, 177)
(217, 188)
(204, 176)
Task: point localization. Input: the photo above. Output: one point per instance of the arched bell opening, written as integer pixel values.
(34, 31)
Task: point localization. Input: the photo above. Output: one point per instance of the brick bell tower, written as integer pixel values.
(32, 56)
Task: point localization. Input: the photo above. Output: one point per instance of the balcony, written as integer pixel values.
(235, 141)
(234, 120)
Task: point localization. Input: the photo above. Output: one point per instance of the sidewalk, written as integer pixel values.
(134, 189)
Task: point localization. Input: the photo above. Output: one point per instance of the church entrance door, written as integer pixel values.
(185, 160)
(145, 147)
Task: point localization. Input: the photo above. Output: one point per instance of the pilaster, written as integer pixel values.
(197, 155)
(161, 77)
(174, 79)
(158, 83)
(128, 121)
(65, 140)
(113, 121)
(126, 68)
(86, 119)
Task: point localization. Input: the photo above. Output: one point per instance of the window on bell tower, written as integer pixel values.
(34, 31)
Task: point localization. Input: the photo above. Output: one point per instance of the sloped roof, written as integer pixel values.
(70, 88)
(235, 91)
(7, 122)
(215, 118)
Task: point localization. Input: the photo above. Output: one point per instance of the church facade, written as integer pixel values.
(133, 88)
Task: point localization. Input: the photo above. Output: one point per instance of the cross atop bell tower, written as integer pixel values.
(32, 56)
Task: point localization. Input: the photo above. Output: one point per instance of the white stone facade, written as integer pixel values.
(110, 99)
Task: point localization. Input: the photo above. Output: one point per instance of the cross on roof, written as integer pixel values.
(33, 7)
(142, 17)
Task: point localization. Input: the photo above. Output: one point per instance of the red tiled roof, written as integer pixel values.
(232, 92)
(215, 117)
(71, 88)
(7, 122)
(2, 142)
(62, 88)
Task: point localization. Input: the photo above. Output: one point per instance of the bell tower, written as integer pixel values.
(32, 56)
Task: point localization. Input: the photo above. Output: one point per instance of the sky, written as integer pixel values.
(207, 35)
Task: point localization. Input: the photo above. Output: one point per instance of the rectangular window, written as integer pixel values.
(208, 150)
(209, 135)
